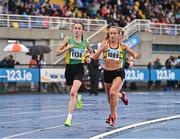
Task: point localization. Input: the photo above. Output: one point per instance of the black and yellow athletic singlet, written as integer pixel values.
(76, 54)
(114, 53)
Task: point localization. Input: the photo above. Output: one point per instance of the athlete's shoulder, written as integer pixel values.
(69, 38)
(85, 40)
(124, 45)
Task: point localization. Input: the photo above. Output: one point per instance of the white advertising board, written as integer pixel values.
(52, 75)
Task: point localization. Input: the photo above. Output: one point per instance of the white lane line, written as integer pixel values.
(29, 100)
(42, 129)
(27, 112)
(153, 126)
(24, 98)
(46, 117)
(9, 114)
(30, 107)
(45, 107)
(40, 106)
(100, 136)
(25, 120)
(30, 112)
(140, 113)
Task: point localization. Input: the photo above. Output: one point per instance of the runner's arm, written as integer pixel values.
(131, 52)
(62, 47)
(100, 50)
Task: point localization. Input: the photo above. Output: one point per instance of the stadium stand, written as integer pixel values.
(116, 12)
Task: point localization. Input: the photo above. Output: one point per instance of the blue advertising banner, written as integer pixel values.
(19, 75)
(33, 75)
(137, 75)
(165, 74)
(133, 41)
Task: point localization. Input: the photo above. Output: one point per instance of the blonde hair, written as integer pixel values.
(120, 30)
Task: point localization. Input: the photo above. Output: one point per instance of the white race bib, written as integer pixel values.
(113, 54)
(76, 53)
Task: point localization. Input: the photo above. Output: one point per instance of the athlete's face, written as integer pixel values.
(113, 34)
(78, 30)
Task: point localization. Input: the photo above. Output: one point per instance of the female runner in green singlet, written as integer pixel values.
(75, 48)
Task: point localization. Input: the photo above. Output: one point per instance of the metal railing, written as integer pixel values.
(139, 25)
(47, 22)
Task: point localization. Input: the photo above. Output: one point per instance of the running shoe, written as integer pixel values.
(108, 119)
(67, 122)
(79, 102)
(124, 98)
(111, 120)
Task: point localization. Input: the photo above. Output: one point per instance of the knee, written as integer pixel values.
(73, 94)
(112, 92)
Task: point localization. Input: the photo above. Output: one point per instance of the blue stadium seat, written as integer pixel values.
(37, 5)
(56, 6)
(42, 1)
(23, 25)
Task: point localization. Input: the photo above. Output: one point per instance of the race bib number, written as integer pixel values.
(113, 54)
(76, 53)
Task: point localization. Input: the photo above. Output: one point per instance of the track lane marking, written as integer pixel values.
(42, 129)
(100, 136)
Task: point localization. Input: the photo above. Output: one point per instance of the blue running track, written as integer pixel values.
(43, 116)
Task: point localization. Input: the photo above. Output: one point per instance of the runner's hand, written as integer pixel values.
(137, 56)
(104, 45)
(69, 46)
(64, 42)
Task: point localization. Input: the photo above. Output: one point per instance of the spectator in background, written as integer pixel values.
(168, 62)
(150, 83)
(47, 4)
(177, 65)
(42, 64)
(5, 8)
(111, 10)
(8, 62)
(11, 62)
(79, 4)
(157, 65)
(4, 63)
(34, 64)
(11, 6)
(168, 65)
(94, 73)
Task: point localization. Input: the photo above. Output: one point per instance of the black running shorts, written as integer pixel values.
(109, 76)
(74, 72)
